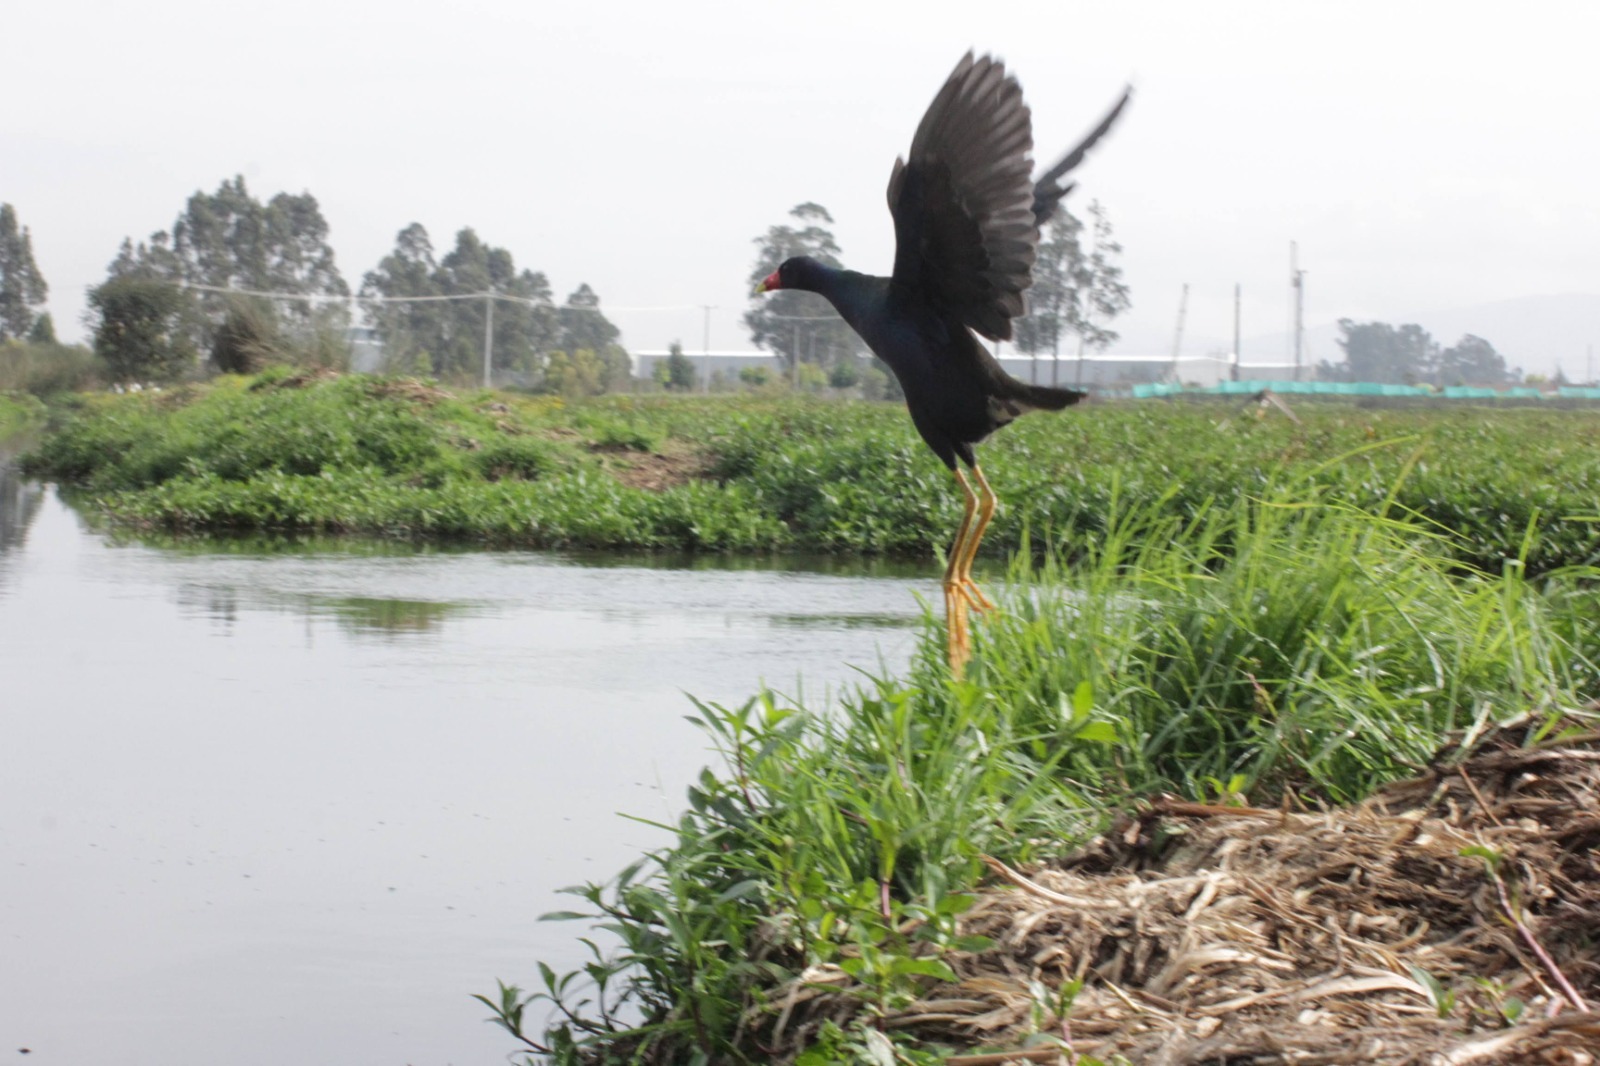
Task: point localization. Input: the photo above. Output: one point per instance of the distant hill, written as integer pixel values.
(1535, 333)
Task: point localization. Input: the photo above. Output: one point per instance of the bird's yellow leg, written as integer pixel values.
(988, 503)
(956, 598)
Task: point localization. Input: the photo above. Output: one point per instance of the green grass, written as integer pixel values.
(387, 457)
(1258, 648)
(18, 412)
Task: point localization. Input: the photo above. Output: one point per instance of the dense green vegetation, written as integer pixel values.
(1202, 601)
(18, 411)
(1275, 648)
(395, 457)
(45, 368)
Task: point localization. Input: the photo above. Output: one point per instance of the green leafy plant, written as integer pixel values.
(1257, 648)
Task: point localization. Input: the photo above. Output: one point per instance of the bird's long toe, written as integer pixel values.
(974, 595)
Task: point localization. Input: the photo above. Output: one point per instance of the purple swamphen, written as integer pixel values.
(967, 215)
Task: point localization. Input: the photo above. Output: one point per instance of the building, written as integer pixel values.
(1066, 371)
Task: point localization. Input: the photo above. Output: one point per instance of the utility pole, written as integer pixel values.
(1055, 354)
(488, 336)
(705, 348)
(1235, 368)
(1297, 282)
(1177, 337)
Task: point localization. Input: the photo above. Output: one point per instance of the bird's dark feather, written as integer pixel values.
(1047, 193)
(962, 200)
(966, 220)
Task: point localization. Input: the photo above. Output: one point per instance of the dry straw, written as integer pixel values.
(1407, 929)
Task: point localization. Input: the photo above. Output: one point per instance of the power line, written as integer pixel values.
(319, 297)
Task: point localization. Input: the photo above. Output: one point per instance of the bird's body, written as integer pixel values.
(967, 214)
(956, 391)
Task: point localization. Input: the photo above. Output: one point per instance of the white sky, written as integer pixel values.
(1425, 155)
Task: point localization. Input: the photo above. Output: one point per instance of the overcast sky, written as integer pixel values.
(1424, 155)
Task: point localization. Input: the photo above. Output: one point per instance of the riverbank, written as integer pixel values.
(1159, 751)
(1218, 628)
(405, 458)
(19, 412)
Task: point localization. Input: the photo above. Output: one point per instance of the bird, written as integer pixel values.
(967, 214)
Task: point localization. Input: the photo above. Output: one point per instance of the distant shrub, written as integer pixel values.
(846, 374)
(140, 335)
(248, 338)
(513, 458)
(586, 372)
(47, 368)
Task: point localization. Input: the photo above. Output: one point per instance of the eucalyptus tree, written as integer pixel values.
(22, 286)
(793, 324)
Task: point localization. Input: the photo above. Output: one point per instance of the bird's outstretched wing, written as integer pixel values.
(1048, 191)
(962, 201)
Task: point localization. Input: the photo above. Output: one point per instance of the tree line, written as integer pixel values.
(156, 315)
(158, 312)
(162, 310)
(1408, 355)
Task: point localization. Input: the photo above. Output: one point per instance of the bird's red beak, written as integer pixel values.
(771, 282)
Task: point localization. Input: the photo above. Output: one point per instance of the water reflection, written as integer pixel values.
(19, 503)
(258, 544)
(365, 614)
(288, 800)
(361, 616)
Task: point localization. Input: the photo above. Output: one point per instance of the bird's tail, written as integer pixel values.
(1014, 398)
(1045, 398)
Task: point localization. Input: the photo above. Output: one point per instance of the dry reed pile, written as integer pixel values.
(1450, 919)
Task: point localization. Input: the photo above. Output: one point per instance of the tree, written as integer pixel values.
(676, 371)
(43, 331)
(794, 324)
(139, 334)
(1107, 294)
(1378, 352)
(582, 325)
(410, 332)
(584, 331)
(447, 336)
(1471, 361)
(1059, 273)
(231, 240)
(1075, 290)
(22, 287)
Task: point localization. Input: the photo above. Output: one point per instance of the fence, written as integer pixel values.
(1136, 375)
(1367, 389)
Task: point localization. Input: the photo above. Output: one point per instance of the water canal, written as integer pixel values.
(291, 803)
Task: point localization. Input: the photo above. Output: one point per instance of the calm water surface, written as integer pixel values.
(293, 805)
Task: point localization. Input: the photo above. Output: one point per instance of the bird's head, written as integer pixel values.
(793, 274)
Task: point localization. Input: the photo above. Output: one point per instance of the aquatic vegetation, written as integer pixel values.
(1280, 651)
(286, 452)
